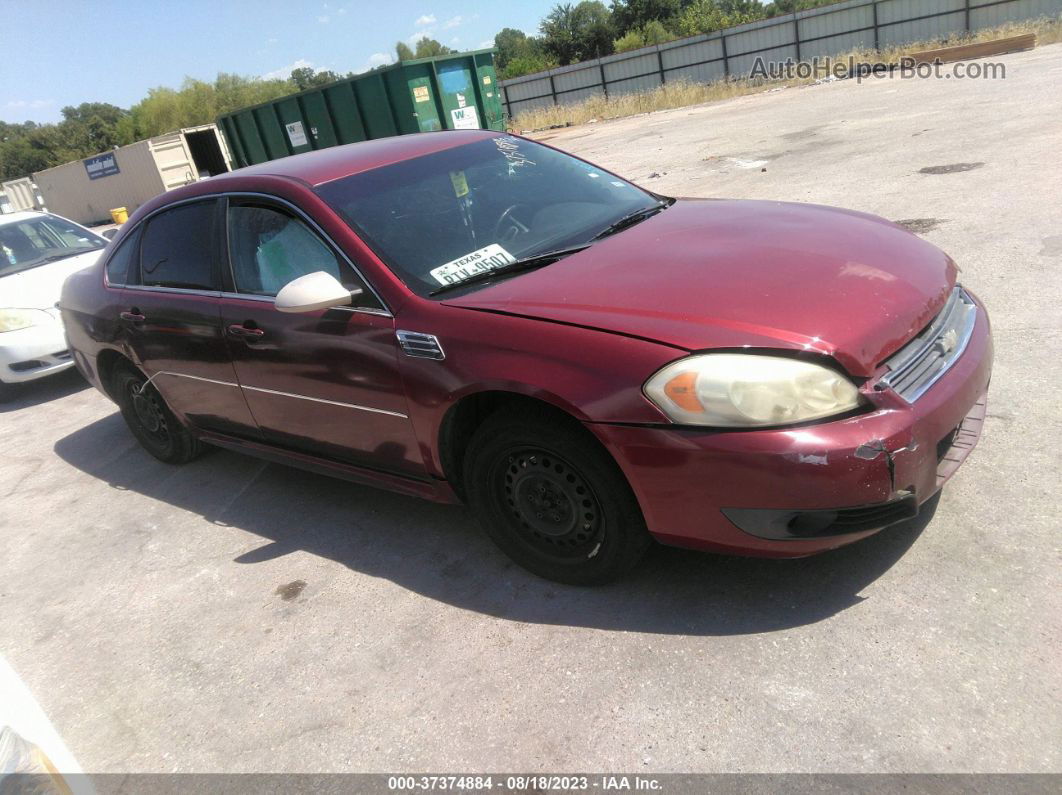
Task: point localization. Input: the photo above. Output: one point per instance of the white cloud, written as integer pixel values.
(426, 19)
(376, 59)
(453, 22)
(485, 44)
(323, 19)
(455, 40)
(341, 11)
(272, 41)
(285, 71)
(420, 34)
(22, 104)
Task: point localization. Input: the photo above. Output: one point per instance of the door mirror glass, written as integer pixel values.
(110, 233)
(318, 290)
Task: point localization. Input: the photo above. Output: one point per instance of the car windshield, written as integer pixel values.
(451, 216)
(37, 241)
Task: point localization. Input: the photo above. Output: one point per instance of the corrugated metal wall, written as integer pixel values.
(828, 30)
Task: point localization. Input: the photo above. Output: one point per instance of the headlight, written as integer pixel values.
(14, 319)
(741, 390)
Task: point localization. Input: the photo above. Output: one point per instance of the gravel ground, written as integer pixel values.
(238, 616)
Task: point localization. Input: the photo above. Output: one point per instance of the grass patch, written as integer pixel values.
(684, 93)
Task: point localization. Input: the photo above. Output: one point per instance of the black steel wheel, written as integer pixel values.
(553, 499)
(150, 419)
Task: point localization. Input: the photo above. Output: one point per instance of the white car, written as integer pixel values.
(37, 252)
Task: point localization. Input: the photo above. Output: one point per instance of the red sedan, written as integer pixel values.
(475, 316)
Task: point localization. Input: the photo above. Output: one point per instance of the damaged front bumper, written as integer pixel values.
(794, 492)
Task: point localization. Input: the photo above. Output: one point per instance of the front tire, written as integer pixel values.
(150, 419)
(553, 499)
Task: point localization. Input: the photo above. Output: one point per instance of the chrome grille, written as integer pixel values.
(917, 365)
(424, 346)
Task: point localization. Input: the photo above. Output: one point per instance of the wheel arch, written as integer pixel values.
(472, 410)
(107, 363)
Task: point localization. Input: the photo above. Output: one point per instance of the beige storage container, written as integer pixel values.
(86, 190)
(21, 194)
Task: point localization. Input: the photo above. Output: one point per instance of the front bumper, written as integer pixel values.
(34, 352)
(886, 463)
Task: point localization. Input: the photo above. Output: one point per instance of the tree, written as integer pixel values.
(430, 48)
(520, 54)
(403, 51)
(704, 16)
(652, 32)
(198, 102)
(305, 77)
(526, 65)
(576, 33)
(92, 127)
(634, 15)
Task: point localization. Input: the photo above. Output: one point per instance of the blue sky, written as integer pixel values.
(75, 52)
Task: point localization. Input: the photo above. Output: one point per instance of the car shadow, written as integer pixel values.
(43, 390)
(439, 552)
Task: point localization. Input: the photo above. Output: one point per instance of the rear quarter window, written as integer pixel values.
(123, 260)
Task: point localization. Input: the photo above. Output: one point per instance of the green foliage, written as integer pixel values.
(430, 48)
(526, 65)
(634, 15)
(520, 54)
(704, 16)
(198, 102)
(789, 6)
(305, 77)
(576, 33)
(652, 32)
(86, 129)
(403, 51)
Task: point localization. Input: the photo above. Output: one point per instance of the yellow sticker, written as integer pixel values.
(486, 80)
(420, 94)
(460, 184)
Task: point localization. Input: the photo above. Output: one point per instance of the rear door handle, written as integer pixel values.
(237, 330)
(133, 316)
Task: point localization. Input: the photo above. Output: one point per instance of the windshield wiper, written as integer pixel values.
(525, 264)
(632, 218)
(66, 254)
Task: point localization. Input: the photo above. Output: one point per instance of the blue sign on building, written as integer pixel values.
(101, 166)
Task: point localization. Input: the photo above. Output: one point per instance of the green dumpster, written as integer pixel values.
(450, 92)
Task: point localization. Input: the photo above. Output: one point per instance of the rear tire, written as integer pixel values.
(553, 499)
(7, 392)
(150, 419)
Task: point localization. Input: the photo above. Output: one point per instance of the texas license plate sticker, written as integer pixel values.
(486, 259)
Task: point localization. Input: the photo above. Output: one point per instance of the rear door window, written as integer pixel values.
(178, 248)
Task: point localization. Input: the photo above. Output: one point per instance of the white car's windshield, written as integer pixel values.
(452, 216)
(37, 241)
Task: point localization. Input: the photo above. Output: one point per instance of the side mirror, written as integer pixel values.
(110, 233)
(313, 291)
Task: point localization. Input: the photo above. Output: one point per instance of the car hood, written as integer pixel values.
(731, 274)
(39, 288)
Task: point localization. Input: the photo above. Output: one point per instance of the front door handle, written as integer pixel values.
(238, 330)
(133, 316)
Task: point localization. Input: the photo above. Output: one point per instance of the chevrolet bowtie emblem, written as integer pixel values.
(947, 342)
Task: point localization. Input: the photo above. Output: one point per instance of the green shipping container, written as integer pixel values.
(450, 92)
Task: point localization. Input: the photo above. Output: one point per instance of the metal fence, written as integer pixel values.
(823, 31)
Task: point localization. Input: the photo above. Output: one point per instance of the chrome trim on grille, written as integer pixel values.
(328, 402)
(925, 359)
(420, 345)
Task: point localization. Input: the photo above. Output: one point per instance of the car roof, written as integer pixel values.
(336, 162)
(21, 215)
